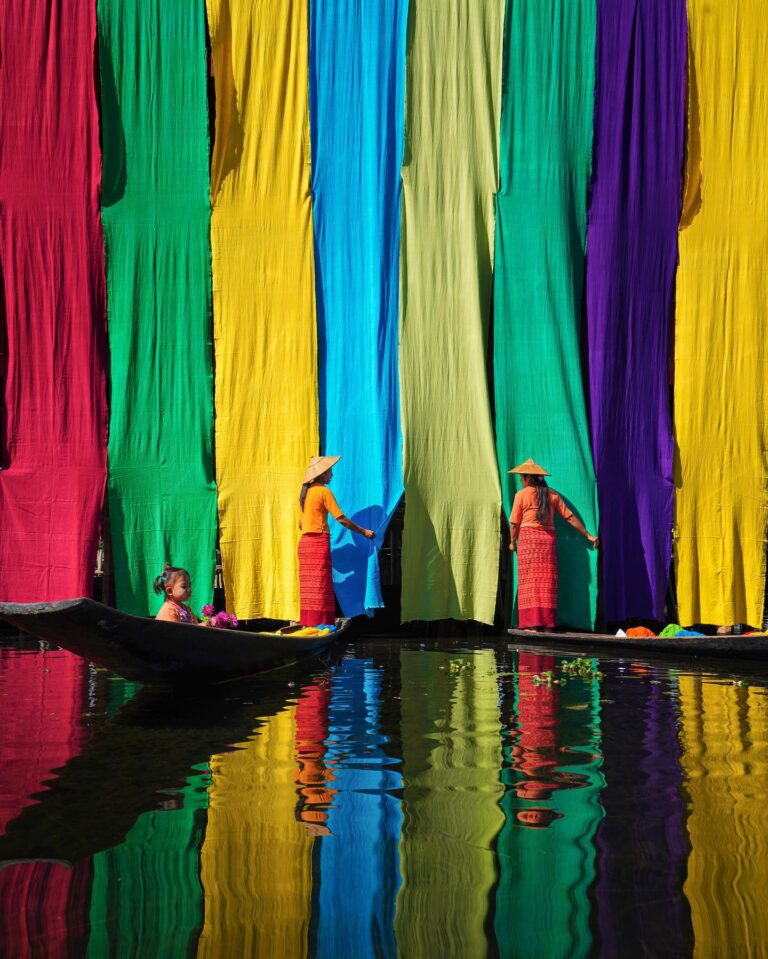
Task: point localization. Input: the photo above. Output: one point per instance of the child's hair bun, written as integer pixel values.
(167, 574)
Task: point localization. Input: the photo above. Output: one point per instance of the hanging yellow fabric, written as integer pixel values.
(721, 405)
(450, 175)
(263, 297)
(256, 860)
(724, 740)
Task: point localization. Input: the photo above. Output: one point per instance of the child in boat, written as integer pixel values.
(175, 585)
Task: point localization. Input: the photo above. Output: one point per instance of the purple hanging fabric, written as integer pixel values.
(631, 263)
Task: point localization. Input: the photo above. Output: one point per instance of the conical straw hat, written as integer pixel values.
(530, 468)
(319, 465)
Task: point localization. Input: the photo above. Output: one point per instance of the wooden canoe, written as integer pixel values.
(724, 647)
(147, 649)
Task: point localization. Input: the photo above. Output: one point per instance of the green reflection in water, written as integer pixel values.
(546, 849)
(146, 898)
(724, 740)
(451, 736)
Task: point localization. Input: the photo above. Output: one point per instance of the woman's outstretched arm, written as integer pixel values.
(577, 524)
(351, 524)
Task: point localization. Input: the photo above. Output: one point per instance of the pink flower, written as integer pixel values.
(208, 610)
(233, 621)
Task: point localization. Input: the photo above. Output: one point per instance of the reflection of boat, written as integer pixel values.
(140, 759)
(725, 647)
(147, 649)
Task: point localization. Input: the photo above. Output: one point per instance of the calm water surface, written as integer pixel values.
(402, 799)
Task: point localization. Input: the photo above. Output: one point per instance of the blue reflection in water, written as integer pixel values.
(359, 868)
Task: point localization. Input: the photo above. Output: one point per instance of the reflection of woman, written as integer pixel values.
(532, 525)
(316, 501)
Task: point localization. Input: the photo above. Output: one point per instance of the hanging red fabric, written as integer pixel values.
(53, 422)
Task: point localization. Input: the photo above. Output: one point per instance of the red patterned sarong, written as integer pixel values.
(536, 578)
(315, 580)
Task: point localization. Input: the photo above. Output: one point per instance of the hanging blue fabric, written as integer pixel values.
(357, 78)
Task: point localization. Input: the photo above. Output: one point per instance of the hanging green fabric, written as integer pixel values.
(452, 497)
(156, 214)
(541, 222)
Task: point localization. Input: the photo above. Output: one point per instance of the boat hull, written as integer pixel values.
(723, 647)
(147, 649)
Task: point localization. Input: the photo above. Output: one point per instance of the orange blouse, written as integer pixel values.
(319, 502)
(526, 503)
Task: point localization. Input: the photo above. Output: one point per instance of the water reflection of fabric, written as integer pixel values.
(312, 773)
(451, 741)
(43, 905)
(546, 852)
(256, 860)
(724, 739)
(146, 892)
(359, 875)
(642, 843)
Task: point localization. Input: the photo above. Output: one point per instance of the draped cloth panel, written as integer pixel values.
(357, 77)
(263, 297)
(541, 210)
(450, 554)
(721, 406)
(53, 414)
(156, 215)
(632, 244)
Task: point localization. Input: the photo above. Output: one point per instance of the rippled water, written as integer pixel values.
(400, 800)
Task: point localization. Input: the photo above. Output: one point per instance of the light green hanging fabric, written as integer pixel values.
(452, 496)
(541, 224)
(156, 215)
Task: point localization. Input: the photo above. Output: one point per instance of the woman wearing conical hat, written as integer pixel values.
(532, 527)
(316, 501)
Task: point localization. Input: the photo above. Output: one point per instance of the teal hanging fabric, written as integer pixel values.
(156, 214)
(541, 222)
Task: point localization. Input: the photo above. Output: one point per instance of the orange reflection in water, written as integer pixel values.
(312, 773)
